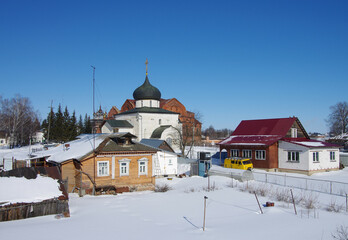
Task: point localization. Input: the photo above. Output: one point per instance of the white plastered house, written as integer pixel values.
(165, 161)
(308, 155)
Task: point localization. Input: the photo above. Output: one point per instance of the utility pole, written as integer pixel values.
(93, 131)
(49, 123)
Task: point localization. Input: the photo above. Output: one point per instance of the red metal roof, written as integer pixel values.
(259, 132)
(278, 126)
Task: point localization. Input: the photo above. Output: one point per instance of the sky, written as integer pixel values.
(226, 60)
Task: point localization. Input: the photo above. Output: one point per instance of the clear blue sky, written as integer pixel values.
(228, 60)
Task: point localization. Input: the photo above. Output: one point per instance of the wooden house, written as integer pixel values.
(117, 164)
(280, 144)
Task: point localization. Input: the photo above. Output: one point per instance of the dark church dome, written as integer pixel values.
(147, 91)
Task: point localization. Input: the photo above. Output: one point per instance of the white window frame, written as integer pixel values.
(315, 157)
(294, 156)
(332, 156)
(143, 166)
(247, 153)
(234, 152)
(260, 154)
(103, 171)
(124, 167)
(294, 132)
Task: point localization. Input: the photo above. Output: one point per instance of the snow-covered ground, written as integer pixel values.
(17, 190)
(178, 214)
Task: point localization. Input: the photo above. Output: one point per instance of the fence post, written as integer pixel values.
(330, 187)
(293, 201)
(306, 184)
(285, 180)
(346, 202)
(205, 207)
(258, 202)
(266, 177)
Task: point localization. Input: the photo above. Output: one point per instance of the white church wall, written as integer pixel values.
(152, 121)
(145, 123)
(147, 103)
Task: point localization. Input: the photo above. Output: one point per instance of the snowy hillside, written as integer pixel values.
(178, 214)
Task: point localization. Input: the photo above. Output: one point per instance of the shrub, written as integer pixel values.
(334, 207)
(212, 187)
(162, 188)
(310, 200)
(341, 233)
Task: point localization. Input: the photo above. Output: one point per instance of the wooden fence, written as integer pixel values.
(27, 210)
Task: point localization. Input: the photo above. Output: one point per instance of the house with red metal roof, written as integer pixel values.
(280, 144)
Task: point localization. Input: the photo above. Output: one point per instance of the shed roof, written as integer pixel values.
(157, 143)
(309, 143)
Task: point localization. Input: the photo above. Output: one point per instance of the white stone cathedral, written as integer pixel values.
(147, 120)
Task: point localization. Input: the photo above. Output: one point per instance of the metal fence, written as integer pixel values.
(322, 186)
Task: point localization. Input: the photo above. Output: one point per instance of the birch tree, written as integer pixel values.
(338, 118)
(18, 119)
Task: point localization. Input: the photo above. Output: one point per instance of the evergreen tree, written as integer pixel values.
(80, 128)
(66, 125)
(58, 127)
(87, 124)
(72, 127)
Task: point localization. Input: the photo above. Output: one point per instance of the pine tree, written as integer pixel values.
(87, 124)
(66, 125)
(80, 128)
(72, 127)
(58, 127)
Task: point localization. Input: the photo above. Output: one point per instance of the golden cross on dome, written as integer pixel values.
(146, 63)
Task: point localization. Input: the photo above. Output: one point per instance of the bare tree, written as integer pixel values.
(18, 119)
(338, 118)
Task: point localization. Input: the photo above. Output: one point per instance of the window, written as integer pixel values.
(142, 163)
(103, 168)
(315, 156)
(234, 153)
(124, 167)
(260, 154)
(247, 153)
(294, 132)
(332, 156)
(294, 156)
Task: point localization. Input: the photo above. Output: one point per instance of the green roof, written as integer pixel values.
(147, 91)
(114, 145)
(157, 133)
(119, 123)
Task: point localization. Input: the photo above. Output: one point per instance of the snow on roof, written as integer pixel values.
(312, 143)
(17, 190)
(77, 148)
(250, 140)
